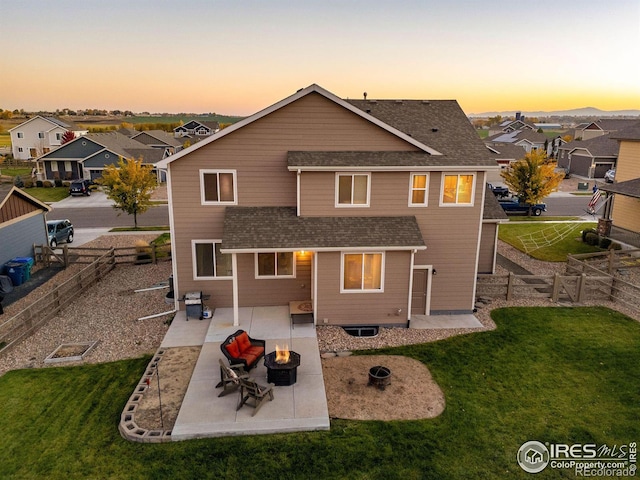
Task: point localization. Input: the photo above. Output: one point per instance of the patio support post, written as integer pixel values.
(234, 266)
(413, 257)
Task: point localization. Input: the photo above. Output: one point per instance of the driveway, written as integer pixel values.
(97, 199)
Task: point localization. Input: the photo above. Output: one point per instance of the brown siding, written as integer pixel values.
(363, 308)
(16, 207)
(487, 248)
(266, 292)
(625, 209)
(258, 152)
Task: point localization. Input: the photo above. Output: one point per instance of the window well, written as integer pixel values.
(362, 331)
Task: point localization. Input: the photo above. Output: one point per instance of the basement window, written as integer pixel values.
(362, 331)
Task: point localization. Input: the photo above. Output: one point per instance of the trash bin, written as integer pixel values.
(28, 265)
(15, 271)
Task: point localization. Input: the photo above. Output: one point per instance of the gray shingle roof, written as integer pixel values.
(601, 146)
(373, 159)
(492, 209)
(270, 228)
(439, 124)
(126, 147)
(631, 132)
(508, 151)
(628, 188)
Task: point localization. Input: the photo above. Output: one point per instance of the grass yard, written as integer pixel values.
(559, 375)
(5, 140)
(550, 242)
(51, 194)
(25, 173)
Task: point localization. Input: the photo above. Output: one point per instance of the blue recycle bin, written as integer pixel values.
(15, 271)
(27, 263)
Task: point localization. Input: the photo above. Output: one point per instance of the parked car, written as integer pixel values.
(500, 192)
(515, 206)
(610, 176)
(59, 231)
(80, 187)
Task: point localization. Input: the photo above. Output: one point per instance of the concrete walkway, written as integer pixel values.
(300, 407)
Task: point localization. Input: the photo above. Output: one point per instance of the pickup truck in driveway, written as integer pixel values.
(500, 192)
(515, 206)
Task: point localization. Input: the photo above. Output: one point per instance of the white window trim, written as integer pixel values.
(217, 172)
(473, 189)
(337, 190)
(382, 273)
(276, 276)
(194, 260)
(426, 190)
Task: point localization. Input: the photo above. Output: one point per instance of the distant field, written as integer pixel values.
(5, 140)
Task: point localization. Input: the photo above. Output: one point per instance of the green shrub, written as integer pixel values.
(39, 183)
(47, 184)
(66, 184)
(28, 184)
(17, 181)
(592, 239)
(585, 232)
(58, 182)
(605, 242)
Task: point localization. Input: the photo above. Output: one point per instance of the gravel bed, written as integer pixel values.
(107, 312)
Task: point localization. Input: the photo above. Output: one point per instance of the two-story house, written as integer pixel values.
(194, 130)
(40, 135)
(374, 211)
(622, 215)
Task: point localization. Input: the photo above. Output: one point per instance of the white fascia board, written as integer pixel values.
(435, 168)
(321, 249)
(282, 103)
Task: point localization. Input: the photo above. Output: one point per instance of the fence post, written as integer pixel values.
(510, 285)
(556, 287)
(580, 287)
(153, 254)
(612, 259)
(65, 255)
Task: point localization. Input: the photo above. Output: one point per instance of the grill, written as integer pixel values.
(379, 377)
(282, 374)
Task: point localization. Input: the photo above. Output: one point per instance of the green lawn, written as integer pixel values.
(5, 140)
(550, 242)
(25, 173)
(559, 375)
(51, 194)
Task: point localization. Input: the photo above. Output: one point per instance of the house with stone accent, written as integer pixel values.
(370, 211)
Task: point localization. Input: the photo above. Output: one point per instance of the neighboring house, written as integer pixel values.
(589, 158)
(506, 153)
(528, 139)
(23, 223)
(604, 126)
(194, 131)
(40, 135)
(158, 139)
(623, 212)
(87, 156)
(507, 126)
(352, 204)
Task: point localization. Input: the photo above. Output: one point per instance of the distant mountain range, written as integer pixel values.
(576, 112)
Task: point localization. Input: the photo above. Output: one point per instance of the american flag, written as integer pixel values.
(594, 198)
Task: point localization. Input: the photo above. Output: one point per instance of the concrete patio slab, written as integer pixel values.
(299, 407)
(183, 333)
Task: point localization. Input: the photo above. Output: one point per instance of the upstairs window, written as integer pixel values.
(457, 189)
(418, 190)
(275, 265)
(218, 187)
(208, 262)
(362, 272)
(40, 134)
(20, 135)
(353, 189)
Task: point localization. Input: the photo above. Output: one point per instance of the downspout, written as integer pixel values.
(236, 311)
(413, 255)
(298, 193)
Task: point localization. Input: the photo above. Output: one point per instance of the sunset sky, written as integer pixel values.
(237, 57)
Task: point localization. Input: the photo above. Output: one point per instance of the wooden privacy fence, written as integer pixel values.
(574, 288)
(588, 277)
(42, 310)
(66, 255)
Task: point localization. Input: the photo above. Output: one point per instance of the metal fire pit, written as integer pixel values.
(379, 377)
(282, 374)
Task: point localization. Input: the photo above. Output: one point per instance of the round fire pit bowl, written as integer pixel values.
(379, 376)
